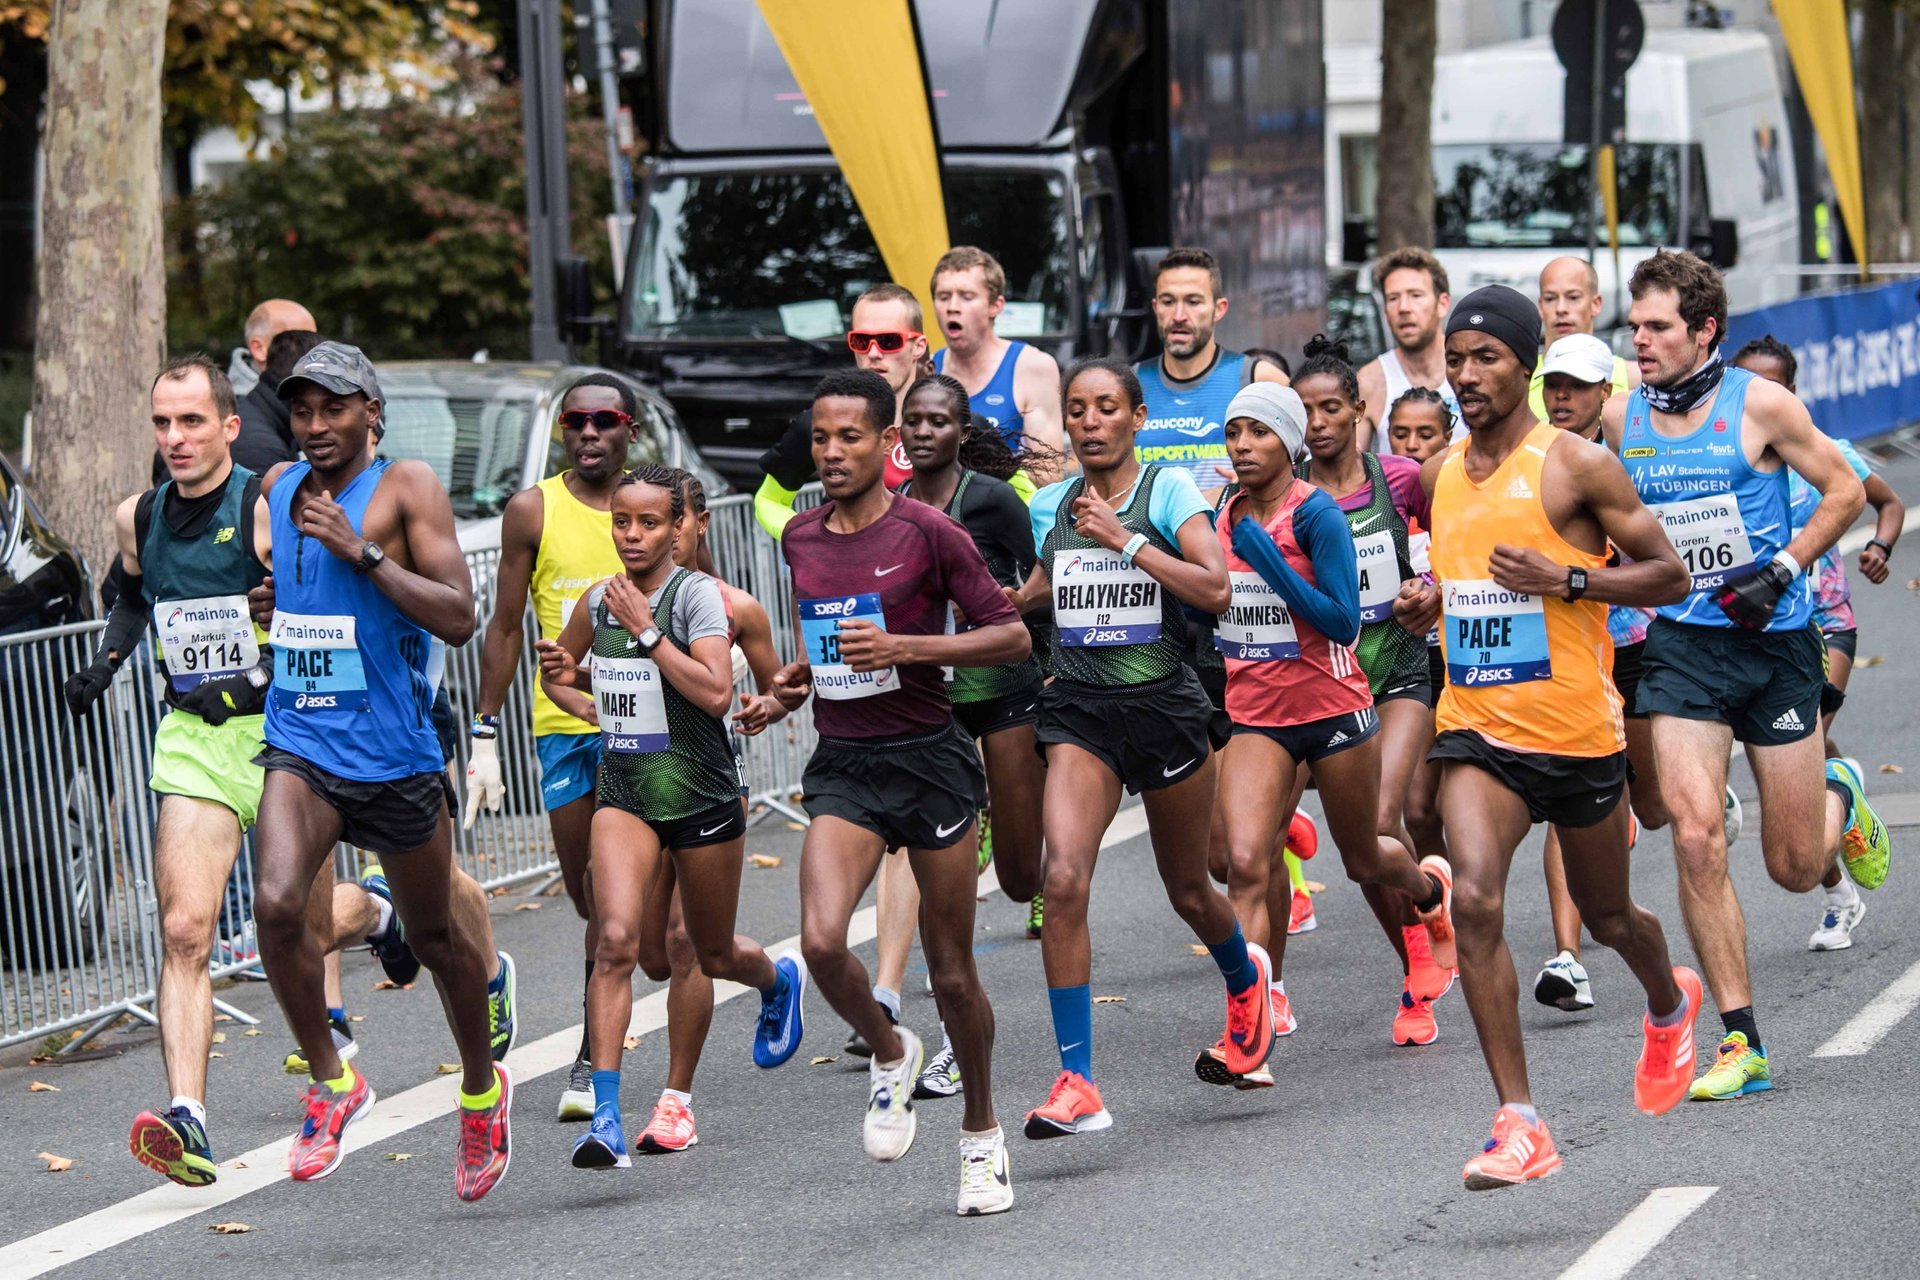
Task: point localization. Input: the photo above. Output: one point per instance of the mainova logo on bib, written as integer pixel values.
(1102, 598)
(317, 664)
(1494, 636)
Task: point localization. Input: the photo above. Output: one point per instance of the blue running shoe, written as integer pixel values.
(782, 1021)
(604, 1145)
(389, 946)
(500, 1007)
(174, 1145)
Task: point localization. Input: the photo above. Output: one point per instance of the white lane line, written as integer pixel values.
(1635, 1236)
(265, 1166)
(1855, 541)
(1882, 1014)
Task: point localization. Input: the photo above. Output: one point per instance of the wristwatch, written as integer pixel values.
(649, 640)
(370, 557)
(1576, 583)
(1885, 550)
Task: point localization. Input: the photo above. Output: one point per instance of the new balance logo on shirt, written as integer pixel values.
(1789, 722)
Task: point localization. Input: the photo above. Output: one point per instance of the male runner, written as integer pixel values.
(874, 574)
(1529, 722)
(1014, 386)
(362, 582)
(1708, 448)
(1569, 304)
(1413, 285)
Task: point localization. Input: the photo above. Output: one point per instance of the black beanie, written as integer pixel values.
(1503, 313)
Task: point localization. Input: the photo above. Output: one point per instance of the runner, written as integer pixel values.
(1708, 448)
(669, 800)
(1420, 424)
(1413, 291)
(350, 751)
(1767, 357)
(1013, 385)
(1569, 304)
(1296, 692)
(1380, 495)
(1529, 723)
(873, 576)
(996, 705)
(1123, 548)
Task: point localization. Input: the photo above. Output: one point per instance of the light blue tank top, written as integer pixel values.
(1722, 516)
(351, 690)
(995, 401)
(1186, 425)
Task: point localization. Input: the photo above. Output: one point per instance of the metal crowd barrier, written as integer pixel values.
(80, 943)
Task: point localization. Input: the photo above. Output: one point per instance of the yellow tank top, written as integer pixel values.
(1526, 673)
(1537, 389)
(576, 551)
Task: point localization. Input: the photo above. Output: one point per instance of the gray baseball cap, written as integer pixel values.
(340, 368)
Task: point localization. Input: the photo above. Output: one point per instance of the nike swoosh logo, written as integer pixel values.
(710, 830)
(941, 833)
(881, 573)
(1075, 1045)
(1358, 525)
(1168, 773)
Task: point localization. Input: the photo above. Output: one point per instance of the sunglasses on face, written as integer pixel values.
(888, 340)
(601, 419)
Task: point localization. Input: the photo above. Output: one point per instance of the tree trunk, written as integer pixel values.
(1880, 125)
(1409, 39)
(1910, 91)
(103, 302)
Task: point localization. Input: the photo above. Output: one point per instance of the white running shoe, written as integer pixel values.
(941, 1079)
(1732, 817)
(986, 1185)
(1837, 921)
(576, 1100)
(890, 1122)
(1563, 984)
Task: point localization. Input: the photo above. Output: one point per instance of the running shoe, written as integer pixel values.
(1865, 847)
(857, 1045)
(1518, 1152)
(1303, 835)
(604, 1146)
(1300, 917)
(1036, 916)
(173, 1145)
(1563, 983)
(941, 1079)
(319, 1146)
(500, 1017)
(1666, 1054)
(1738, 1069)
(1284, 1023)
(1439, 920)
(1732, 817)
(984, 850)
(1211, 1067)
(1837, 920)
(986, 1183)
(389, 946)
(1430, 981)
(890, 1124)
(1414, 1024)
(1073, 1106)
(1250, 1017)
(670, 1129)
(777, 1035)
(344, 1046)
(576, 1100)
(485, 1146)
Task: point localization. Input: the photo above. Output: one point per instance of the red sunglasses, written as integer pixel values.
(602, 419)
(888, 340)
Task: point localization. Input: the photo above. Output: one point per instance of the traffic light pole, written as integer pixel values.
(543, 122)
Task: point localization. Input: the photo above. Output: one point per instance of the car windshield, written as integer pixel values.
(1536, 195)
(731, 255)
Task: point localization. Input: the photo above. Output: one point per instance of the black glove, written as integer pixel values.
(84, 687)
(211, 700)
(1749, 599)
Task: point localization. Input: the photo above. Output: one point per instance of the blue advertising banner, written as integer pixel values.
(1859, 353)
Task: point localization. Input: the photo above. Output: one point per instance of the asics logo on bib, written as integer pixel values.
(1097, 636)
(1487, 675)
(835, 608)
(315, 701)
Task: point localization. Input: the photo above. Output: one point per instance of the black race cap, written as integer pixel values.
(1507, 315)
(340, 368)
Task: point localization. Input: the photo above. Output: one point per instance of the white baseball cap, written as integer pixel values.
(1581, 356)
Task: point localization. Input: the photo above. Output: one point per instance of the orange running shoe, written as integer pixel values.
(1284, 1023)
(1211, 1066)
(1666, 1053)
(1414, 1023)
(1250, 1017)
(1300, 918)
(1429, 981)
(1073, 1106)
(320, 1145)
(671, 1128)
(1518, 1152)
(485, 1148)
(1439, 921)
(1303, 835)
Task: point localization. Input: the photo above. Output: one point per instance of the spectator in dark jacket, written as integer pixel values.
(266, 425)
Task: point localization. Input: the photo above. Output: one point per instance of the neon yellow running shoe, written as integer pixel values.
(986, 843)
(1036, 915)
(1865, 848)
(1739, 1069)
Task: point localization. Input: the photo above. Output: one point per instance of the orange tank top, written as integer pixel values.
(1527, 673)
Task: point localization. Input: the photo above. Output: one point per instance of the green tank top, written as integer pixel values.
(1113, 624)
(196, 588)
(1391, 655)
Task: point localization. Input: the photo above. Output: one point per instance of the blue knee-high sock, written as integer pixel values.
(1236, 966)
(606, 1090)
(1073, 1027)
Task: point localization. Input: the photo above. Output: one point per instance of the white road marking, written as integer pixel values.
(1882, 1014)
(1635, 1236)
(265, 1166)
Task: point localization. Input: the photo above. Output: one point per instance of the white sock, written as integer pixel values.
(946, 1044)
(1279, 988)
(1843, 894)
(1526, 1111)
(889, 999)
(194, 1108)
(686, 1099)
(382, 913)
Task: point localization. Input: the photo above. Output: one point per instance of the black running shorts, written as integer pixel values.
(723, 822)
(991, 715)
(1148, 735)
(1764, 684)
(1628, 664)
(1318, 739)
(1568, 791)
(381, 817)
(920, 791)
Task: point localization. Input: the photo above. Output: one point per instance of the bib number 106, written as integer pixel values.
(1707, 558)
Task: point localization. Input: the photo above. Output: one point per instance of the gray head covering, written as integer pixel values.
(1275, 407)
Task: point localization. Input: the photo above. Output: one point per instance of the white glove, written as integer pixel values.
(740, 669)
(484, 784)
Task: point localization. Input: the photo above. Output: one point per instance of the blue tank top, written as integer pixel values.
(1186, 425)
(995, 401)
(351, 692)
(1723, 517)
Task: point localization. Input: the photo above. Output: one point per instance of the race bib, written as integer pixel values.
(632, 706)
(1257, 626)
(1101, 598)
(1710, 537)
(317, 664)
(1494, 636)
(205, 637)
(1379, 575)
(820, 630)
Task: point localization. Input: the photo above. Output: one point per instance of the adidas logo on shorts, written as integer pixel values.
(1789, 722)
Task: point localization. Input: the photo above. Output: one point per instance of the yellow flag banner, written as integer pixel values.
(1818, 44)
(863, 79)
(1610, 196)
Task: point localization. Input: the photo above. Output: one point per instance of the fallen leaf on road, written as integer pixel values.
(237, 1164)
(231, 1228)
(447, 1069)
(219, 1037)
(41, 1086)
(555, 890)
(794, 826)
(1872, 660)
(216, 1054)
(1195, 949)
(526, 906)
(56, 1164)
(824, 1059)
(631, 1042)
(352, 1017)
(223, 1017)
(1109, 999)
(501, 892)
(251, 1031)
(399, 1155)
(388, 984)
(1891, 768)
(765, 861)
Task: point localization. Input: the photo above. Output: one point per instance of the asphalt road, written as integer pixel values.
(1350, 1166)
